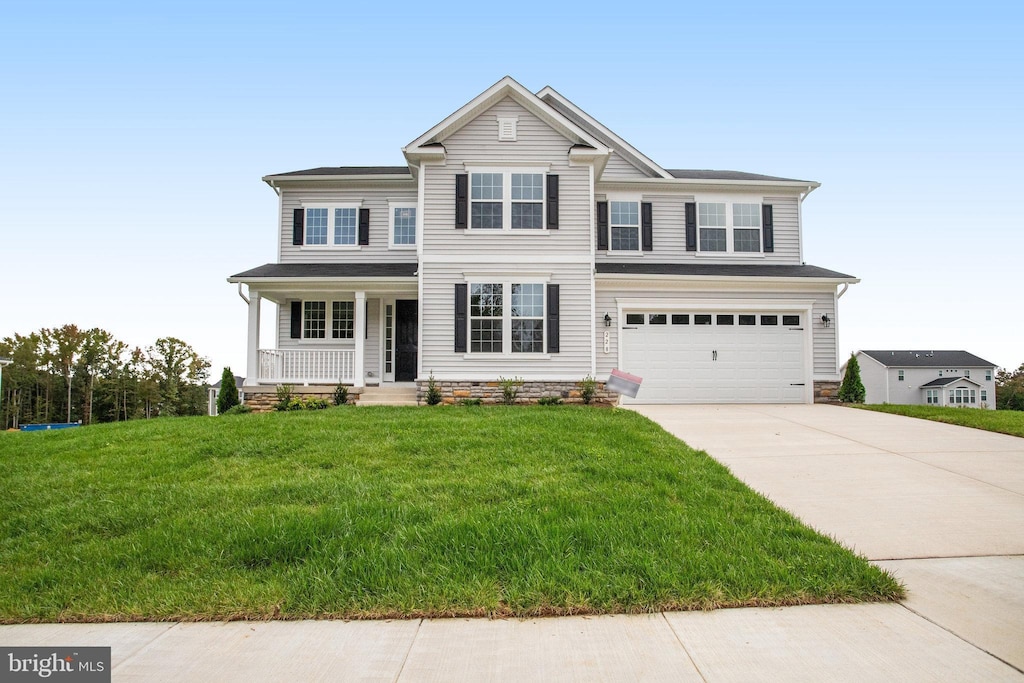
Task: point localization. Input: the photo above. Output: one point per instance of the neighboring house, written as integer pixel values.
(214, 392)
(940, 378)
(524, 239)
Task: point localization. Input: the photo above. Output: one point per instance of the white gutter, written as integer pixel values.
(846, 286)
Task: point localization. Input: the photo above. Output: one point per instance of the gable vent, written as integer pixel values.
(507, 129)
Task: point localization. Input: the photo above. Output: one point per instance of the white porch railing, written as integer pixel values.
(306, 366)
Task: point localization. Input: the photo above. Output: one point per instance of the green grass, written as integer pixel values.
(395, 512)
(1003, 421)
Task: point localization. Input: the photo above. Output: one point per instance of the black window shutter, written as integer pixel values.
(768, 228)
(647, 225)
(297, 216)
(602, 226)
(462, 201)
(296, 319)
(552, 318)
(461, 308)
(552, 202)
(691, 226)
(364, 226)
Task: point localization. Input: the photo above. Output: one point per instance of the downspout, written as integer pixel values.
(800, 220)
(244, 297)
(846, 286)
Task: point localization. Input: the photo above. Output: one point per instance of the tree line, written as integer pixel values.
(67, 374)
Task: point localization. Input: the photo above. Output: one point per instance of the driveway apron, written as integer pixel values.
(939, 506)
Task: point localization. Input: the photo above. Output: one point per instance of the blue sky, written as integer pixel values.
(134, 137)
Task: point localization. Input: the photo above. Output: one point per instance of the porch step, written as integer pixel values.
(388, 396)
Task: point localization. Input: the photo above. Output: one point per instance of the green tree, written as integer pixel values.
(1010, 389)
(852, 389)
(63, 348)
(179, 373)
(228, 396)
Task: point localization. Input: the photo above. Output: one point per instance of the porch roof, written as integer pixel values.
(327, 271)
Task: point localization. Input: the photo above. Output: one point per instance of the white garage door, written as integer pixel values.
(715, 357)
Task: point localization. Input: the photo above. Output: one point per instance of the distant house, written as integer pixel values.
(214, 392)
(939, 378)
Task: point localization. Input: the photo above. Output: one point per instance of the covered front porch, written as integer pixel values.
(357, 331)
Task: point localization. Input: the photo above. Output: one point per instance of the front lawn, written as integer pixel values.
(1003, 421)
(395, 512)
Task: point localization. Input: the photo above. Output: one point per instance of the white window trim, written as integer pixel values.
(330, 225)
(506, 172)
(401, 204)
(328, 339)
(635, 199)
(506, 283)
(730, 227)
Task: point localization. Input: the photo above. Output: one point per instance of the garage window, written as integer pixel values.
(681, 319)
(634, 318)
(790, 320)
(658, 319)
(769, 320)
(748, 319)
(702, 319)
(724, 320)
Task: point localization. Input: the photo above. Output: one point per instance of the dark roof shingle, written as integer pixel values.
(347, 170)
(720, 270)
(928, 359)
(705, 174)
(329, 270)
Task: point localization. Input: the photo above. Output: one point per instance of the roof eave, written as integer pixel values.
(728, 278)
(711, 182)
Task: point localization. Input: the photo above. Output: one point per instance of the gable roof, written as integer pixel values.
(627, 151)
(928, 359)
(507, 87)
(944, 381)
(685, 174)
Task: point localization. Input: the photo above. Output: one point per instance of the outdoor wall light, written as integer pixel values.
(607, 320)
(825, 320)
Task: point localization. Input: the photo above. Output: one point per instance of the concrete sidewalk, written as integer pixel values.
(815, 643)
(940, 506)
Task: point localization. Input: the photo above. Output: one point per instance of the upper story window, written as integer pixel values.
(729, 227)
(988, 375)
(403, 225)
(503, 201)
(899, 375)
(625, 226)
(327, 226)
(509, 200)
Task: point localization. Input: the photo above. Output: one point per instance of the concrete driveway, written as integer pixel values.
(941, 507)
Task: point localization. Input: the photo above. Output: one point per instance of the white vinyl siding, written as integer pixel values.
(537, 146)
(438, 324)
(670, 231)
(375, 199)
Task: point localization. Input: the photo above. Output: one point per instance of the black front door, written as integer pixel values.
(406, 334)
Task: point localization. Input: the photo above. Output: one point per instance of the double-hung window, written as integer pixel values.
(932, 396)
(506, 317)
(327, 319)
(506, 200)
(624, 224)
(403, 225)
(725, 226)
(331, 226)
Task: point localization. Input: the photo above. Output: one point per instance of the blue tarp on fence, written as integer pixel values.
(49, 425)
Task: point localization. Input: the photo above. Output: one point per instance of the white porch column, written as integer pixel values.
(360, 332)
(252, 366)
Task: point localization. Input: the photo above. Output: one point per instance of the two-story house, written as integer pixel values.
(934, 378)
(525, 239)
